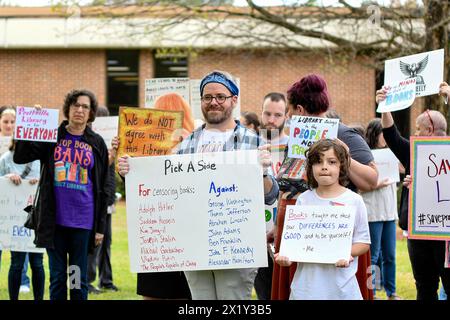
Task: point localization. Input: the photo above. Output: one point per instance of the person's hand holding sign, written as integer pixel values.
(282, 260)
(444, 90)
(265, 158)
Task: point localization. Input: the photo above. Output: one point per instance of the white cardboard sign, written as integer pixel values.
(304, 131)
(387, 164)
(159, 86)
(107, 127)
(426, 67)
(318, 234)
(399, 96)
(196, 212)
(13, 199)
(36, 125)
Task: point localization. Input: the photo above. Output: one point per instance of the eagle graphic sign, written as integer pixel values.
(426, 68)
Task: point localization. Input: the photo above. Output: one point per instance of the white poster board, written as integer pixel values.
(196, 212)
(304, 131)
(107, 127)
(13, 199)
(387, 164)
(5, 142)
(36, 125)
(399, 96)
(318, 234)
(429, 194)
(426, 67)
(159, 86)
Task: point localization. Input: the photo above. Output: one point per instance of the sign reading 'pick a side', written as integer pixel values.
(36, 124)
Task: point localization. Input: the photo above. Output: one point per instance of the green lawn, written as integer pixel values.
(126, 281)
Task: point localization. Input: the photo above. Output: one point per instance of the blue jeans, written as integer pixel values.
(442, 295)
(73, 242)
(25, 280)
(15, 274)
(382, 236)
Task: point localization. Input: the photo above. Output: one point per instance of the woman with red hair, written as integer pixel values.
(309, 97)
(175, 102)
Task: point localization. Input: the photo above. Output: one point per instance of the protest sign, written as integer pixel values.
(429, 195)
(13, 199)
(318, 234)
(36, 125)
(304, 131)
(107, 127)
(148, 132)
(196, 212)
(426, 67)
(387, 164)
(160, 86)
(399, 96)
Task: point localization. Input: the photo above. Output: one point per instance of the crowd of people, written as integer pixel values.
(75, 210)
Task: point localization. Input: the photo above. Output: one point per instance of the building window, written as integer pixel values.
(170, 65)
(123, 79)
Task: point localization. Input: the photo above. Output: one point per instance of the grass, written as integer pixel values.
(126, 281)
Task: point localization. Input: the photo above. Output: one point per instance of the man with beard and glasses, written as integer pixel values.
(219, 95)
(273, 118)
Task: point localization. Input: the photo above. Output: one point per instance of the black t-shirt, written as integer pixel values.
(359, 150)
(400, 147)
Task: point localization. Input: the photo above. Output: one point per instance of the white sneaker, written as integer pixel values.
(24, 289)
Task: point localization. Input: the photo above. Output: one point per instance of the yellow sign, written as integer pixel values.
(148, 132)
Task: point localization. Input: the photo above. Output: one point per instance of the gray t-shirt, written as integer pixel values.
(359, 150)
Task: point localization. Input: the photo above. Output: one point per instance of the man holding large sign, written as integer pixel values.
(427, 256)
(219, 95)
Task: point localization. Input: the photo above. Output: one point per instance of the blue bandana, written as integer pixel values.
(217, 77)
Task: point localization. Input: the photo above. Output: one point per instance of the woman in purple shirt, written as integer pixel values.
(72, 203)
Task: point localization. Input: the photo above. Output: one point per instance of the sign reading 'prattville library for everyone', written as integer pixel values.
(429, 195)
(36, 125)
(196, 212)
(304, 131)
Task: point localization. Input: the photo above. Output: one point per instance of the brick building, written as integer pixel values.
(41, 60)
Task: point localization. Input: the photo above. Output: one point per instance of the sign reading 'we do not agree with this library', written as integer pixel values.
(196, 212)
(148, 132)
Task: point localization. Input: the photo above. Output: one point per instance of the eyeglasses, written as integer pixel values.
(220, 98)
(85, 107)
(429, 117)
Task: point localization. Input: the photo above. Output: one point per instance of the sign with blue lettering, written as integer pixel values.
(317, 234)
(13, 235)
(399, 96)
(196, 212)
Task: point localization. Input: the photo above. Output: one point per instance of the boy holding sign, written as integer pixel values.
(327, 170)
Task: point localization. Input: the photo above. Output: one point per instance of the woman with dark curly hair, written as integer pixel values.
(72, 202)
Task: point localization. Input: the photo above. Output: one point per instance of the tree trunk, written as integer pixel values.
(437, 38)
